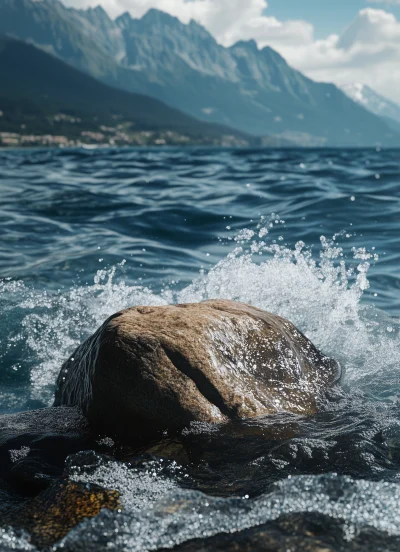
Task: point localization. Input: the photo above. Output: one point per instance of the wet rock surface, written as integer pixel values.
(54, 512)
(151, 369)
(229, 484)
(161, 506)
(36, 495)
(35, 444)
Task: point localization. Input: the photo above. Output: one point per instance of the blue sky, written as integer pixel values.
(327, 16)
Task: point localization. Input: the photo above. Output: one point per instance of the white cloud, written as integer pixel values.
(228, 20)
(368, 51)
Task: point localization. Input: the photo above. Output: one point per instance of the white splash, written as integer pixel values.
(138, 489)
(321, 296)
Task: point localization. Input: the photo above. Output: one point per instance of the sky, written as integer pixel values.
(340, 41)
(326, 16)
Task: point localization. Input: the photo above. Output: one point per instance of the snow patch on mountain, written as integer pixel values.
(371, 100)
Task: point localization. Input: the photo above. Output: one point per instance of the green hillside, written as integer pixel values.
(40, 94)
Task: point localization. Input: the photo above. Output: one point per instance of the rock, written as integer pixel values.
(45, 422)
(35, 444)
(151, 369)
(54, 512)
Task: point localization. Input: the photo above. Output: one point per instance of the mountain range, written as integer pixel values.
(250, 89)
(40, 94)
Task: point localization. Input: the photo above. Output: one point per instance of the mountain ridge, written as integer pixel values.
(42, 94)
(252, 90)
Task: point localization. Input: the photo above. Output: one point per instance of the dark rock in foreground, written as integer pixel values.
(34, 445)
(150, 369)
(54, 512)
(35, 494)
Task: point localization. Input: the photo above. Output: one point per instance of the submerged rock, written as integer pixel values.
(150, 369)
(34, 445)
(54, 512)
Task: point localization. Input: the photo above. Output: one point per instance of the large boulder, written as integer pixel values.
(151, 369)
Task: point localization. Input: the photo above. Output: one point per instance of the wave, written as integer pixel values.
(323, 297)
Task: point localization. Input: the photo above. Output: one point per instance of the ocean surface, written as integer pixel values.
(312, 235)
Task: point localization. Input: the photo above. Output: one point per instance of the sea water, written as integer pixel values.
(312, 235)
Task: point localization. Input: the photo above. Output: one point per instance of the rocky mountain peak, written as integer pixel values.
(124, 20)
(248, 45)
(158, 17)
(251, 89)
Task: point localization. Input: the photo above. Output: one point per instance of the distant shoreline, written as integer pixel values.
(93, 147)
